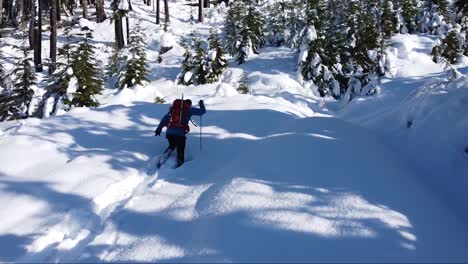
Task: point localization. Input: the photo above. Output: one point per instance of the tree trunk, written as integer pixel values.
(100, 12)
(38, 40)
(166, 10)
(1, 13)
(200, 11)
(26, 7)
(84, 5)
(128, 29)
(130, 7)
(119, 39)
(58, 4)
(206, 3)
(53, 35)
(158, 21)
(32, 25)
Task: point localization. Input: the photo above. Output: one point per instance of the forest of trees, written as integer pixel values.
(341, 45)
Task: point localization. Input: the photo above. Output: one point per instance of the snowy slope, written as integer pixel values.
(279, 177)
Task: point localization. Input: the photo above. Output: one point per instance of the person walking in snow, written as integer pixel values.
(177, 120)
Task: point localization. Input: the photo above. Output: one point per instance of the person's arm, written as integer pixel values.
(199, 111)
(163, 123)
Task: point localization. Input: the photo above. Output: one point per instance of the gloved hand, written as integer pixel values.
(157, 133)
(200, 103)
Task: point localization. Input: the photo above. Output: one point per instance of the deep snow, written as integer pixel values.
(282, 176)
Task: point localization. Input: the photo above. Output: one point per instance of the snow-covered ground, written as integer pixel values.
(281, 176)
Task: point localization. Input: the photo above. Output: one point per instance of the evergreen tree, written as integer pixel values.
(277, 23)
(314, 57)
(434, 18)
(243, 86)
(187, 68)
(217, 60)
(135, 70)
(15, 101)
(388, 19)
(409, 12)
(244, 30)
(451, 48)
(83, 64)
(200, 63)
(461, 10)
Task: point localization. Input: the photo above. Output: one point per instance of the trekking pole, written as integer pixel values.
(201, 125)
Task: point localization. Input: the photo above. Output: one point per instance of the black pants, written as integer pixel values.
(179, 143)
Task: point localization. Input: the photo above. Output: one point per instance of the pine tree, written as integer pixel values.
(15, 101)
(461, 10)
(187, 68)
(83, 64)
(58, 83)
(243, 85)
(135, 70)
(434, 17)
(277, 23)
(217, 60)
(388, 19)
(200, 63)
(244, 30)
(451, 48)
(409, 12)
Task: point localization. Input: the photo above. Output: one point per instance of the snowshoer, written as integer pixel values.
(176, 121)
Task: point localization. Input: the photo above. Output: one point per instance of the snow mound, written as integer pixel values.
(437, 125)
(224, 90)
(167, 40)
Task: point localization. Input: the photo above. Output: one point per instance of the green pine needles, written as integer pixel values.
(244, 29)
(202, 65)
(88, 75)
(15, 100)
(135, 69)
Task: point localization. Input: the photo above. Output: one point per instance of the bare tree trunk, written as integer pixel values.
(26, 7)
(58, 4)
(166, 11)
(84, 5)
(38, 40)
(119, 38)
(100, 12)
(1, 13)
(200, 11)
(206, 3)
(158, 20)
(32, 25)
(53, 35)
(128, 29)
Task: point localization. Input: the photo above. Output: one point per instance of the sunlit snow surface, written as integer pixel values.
(278, 177)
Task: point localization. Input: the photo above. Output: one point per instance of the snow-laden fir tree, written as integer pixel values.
(435, 17)
(87, 73)
(243, 86)
(135, 68)
(313, 56)
(407, 14)
(200, 65)
(187, 66)
(388, 19)
(450, 47)
(460, 8)
(217, 59)
(59, 84)
(244, 30)
(15, 100)
(277, 23)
